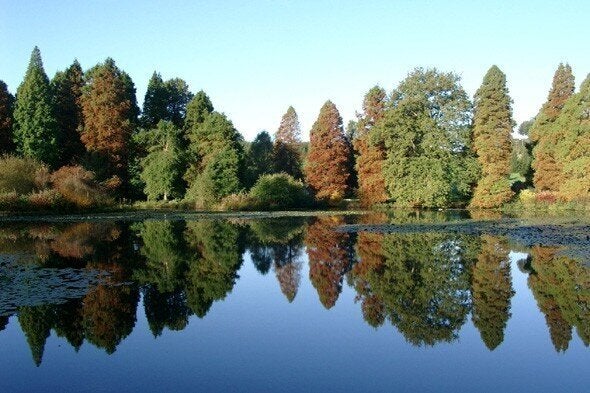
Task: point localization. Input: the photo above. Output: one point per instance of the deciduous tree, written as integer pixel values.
(287, 146)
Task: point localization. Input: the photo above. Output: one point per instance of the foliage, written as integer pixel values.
(197, 110)
(6, 119)
(110, 113)
(521, 159)
(35, 126)
(67, 88)
(279, 191)
(545, 134)
(286, 151)
(21, 175)
(492, 126)
(78, 187)
(370, 155)
(163, 167)
(165, 101)
(259, 158)
(326, 170)
(427, 134)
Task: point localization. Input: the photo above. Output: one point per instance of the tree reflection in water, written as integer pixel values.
(425, 285)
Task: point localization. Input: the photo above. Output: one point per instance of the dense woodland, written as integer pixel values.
(81, 140)
(426, 286)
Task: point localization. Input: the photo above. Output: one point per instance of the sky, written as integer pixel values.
(255, 58)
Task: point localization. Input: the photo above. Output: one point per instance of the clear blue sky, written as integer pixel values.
(255, 58)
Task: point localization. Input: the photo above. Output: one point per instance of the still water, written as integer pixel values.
(287, 304)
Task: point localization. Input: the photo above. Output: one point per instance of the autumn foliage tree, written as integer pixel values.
(110, 114)
(370, 154)
(6, 119)
(492, 126)
(547, 175)
(35, 126)
(286, 150)
(326, 170)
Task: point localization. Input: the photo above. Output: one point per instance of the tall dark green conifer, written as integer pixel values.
(6, 119)
(259, 158)
(155, 103)
(547, 176)
(35, 126)
(67, 94)
(492, 141)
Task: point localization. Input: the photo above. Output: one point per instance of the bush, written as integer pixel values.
(279, 191)
(546, 197)
(21, 175)
(9, 200)
(527, 197)
(77, 186)
(45, 199)
(238, 202)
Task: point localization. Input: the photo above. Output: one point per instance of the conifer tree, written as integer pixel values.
(326, 171)
(287, 151)
(35, 125)
(426, 132)
(110, 113)
(370, 154)
(547, 176)
(67, 95)
(155, 102)
(6, 119)
(492, 141)
(197, 110)
(572, 149)
(259, 158)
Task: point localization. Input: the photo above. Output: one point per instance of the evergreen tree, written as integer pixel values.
(547, 176)
(370, 154)
(287, 150)
(326, 171)
(163, 167)
(492, 141)
(179, 96)
(35, 126)
(217, 167)
(6, 119)
(110, 113)
(572, 149)
(36, 322)
(197, 110)
(427, 135)
(259, 158)
(67, 89)
(155, 102)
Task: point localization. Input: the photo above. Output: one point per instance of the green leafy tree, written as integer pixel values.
(327, 166)
(545, 135)
(573, 147)
(259, 158)
(6, 119)
(36, 129)
(287, 146)
(218, 166)
(492, 126)
(370, 155)
(520, 161)
(110, 114)
(427, 137)
(67, 89)
(164, 165)
(165, 101)
(197, 110)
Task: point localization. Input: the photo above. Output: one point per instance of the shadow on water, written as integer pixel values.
(85, 280)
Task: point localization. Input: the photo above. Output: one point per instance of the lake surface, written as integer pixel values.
(289, 304)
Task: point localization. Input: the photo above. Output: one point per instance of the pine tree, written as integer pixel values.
(163, 167)
(179, 95)
(35, 126)
(155, 102)
(492, 141)
(547, 176)
(67, 95)
(572, 149)
(326, 171)
(426, 132)
(370, 155)
(287, 146)
(6, 119)
(259, 158)
(110, 113)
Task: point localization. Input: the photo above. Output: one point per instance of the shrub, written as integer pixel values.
(21, 175)
(546, 197)
(238, 202)
(77, 186)
(279, 191)
(45, 199)
(527, 197)
(9, 200)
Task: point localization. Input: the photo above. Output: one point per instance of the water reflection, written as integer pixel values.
(426, 286)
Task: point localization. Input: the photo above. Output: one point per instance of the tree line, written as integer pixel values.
(425, 144)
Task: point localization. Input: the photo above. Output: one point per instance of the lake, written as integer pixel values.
(345, 303)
